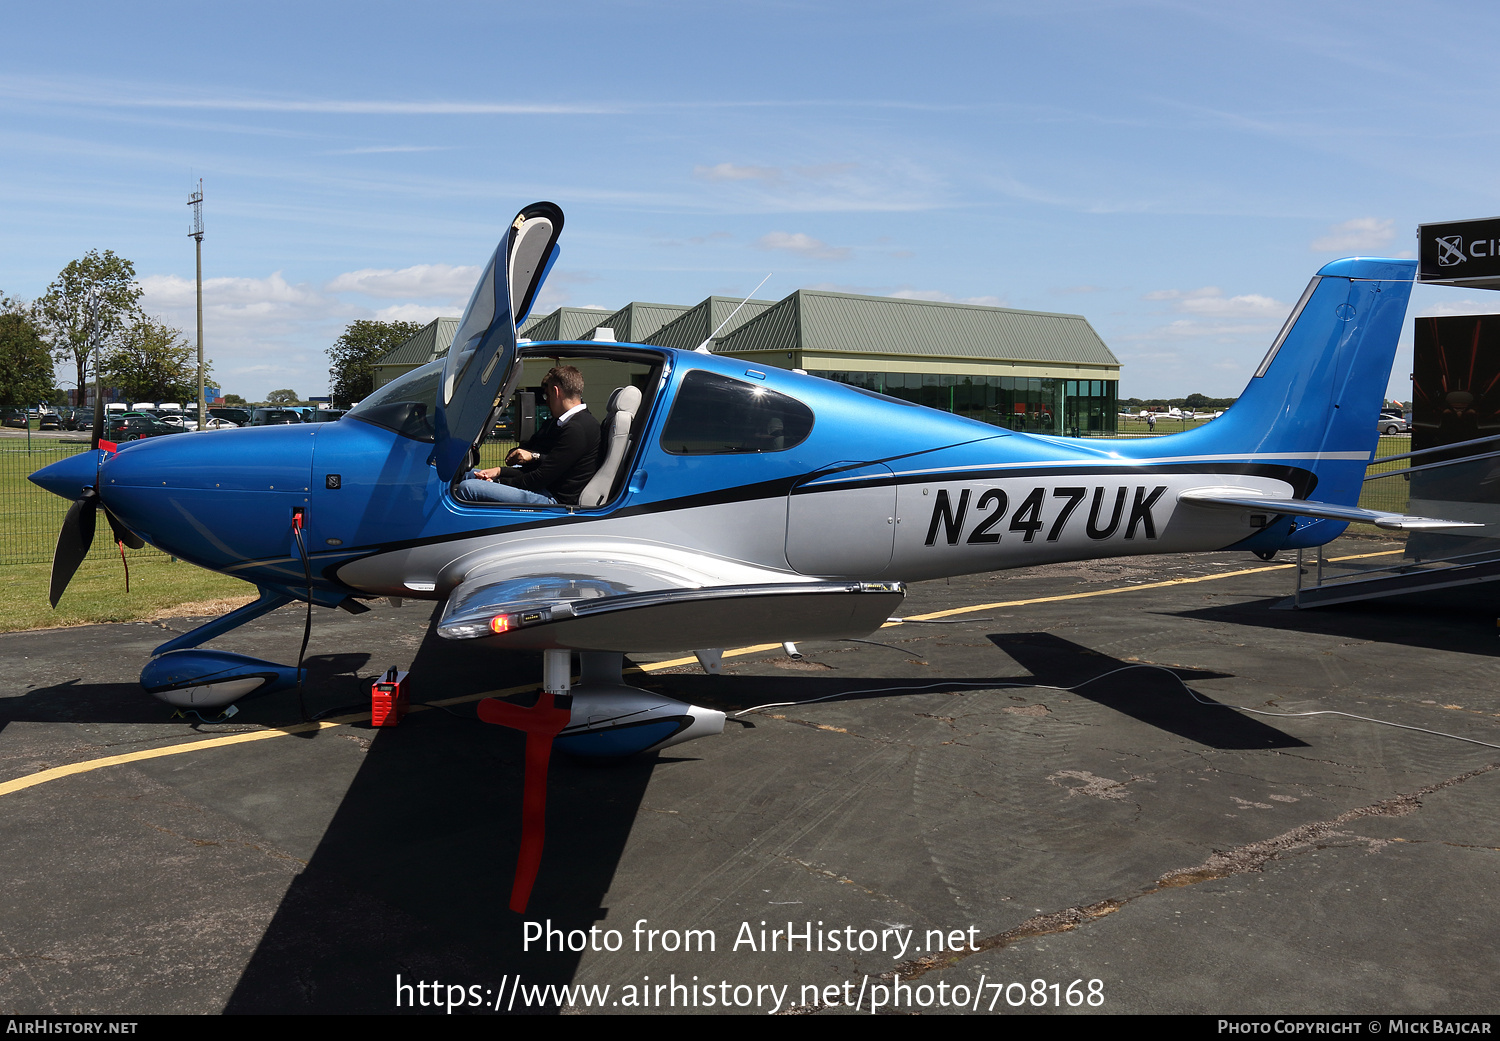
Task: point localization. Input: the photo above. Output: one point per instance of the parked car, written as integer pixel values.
(176, 419)
(270, 417)
(49, 421)
(14, 417)
(240, 417)
(135, 427)
(1389, 424)
(328, 415)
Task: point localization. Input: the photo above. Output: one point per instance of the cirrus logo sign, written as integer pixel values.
(1451, 250)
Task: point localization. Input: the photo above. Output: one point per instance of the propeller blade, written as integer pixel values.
(73, 541)
(122, 533)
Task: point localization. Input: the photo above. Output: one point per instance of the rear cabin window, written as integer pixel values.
(715, 415)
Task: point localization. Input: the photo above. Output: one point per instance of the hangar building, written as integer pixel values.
(1026, 370)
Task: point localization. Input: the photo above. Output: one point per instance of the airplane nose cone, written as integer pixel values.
(68, 477)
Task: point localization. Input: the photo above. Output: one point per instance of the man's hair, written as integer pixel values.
(566, 379)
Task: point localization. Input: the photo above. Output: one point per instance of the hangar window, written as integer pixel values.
(715, 415)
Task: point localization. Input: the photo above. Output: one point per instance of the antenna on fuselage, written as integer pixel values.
(702, 348)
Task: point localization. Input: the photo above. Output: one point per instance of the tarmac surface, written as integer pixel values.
(993, 782)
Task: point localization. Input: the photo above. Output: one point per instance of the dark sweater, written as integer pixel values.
(570, 455)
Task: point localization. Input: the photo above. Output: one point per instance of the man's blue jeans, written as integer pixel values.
(477, 489)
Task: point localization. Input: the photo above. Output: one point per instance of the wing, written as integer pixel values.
(637, 599)
(1241, 499)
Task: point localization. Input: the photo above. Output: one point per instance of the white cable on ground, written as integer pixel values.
(1126, 668)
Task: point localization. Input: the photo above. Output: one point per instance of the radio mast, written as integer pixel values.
(196, 202)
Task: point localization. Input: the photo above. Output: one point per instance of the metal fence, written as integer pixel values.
(1392, 493)
(30, 517)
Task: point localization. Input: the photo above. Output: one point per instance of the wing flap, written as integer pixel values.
(1241, 499)
(591, 614)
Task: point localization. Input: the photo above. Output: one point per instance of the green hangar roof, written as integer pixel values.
(692, 328)
(428, 344)
(634, 322)
(566, 323)
(844, 323)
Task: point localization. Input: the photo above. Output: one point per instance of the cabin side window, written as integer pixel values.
(715, 415)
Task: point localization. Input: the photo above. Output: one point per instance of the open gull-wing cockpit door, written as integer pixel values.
(484, 362)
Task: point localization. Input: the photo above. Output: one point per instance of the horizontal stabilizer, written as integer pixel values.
(1239, 499)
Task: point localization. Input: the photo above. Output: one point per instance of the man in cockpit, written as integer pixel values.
(554, 464)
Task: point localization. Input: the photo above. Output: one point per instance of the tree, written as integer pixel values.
(352, 376)
(25, 361)
(151, 361)
(66, 310)
(282, 397)
(233, 399)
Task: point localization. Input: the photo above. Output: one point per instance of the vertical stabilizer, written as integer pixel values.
(1314, 398)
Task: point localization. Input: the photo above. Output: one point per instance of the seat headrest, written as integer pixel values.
(625, 399)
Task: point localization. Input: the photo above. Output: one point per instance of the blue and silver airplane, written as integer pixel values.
(733, 504)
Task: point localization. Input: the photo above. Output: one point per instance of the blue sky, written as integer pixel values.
(1175, 172)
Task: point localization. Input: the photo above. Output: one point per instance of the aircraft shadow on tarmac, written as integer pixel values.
(412, 875)
(334, 676)
(1149, 695)
(1461, 619)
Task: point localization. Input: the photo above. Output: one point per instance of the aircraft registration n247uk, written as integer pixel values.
(733, 503)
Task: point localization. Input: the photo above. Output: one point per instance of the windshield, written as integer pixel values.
(406, 405)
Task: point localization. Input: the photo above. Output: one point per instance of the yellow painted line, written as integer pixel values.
(89, 765)
(56, 772)
(1126, 589)
(657, 666)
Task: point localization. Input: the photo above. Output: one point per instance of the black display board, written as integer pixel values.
(1465, 252)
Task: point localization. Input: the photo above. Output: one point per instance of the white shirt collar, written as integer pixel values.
(569, 414)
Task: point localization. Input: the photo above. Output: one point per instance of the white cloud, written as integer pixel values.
(1360, 235)
(1186, 327)
(1210, 302)
(736, 172)
(907, 293)
(802, 245)
(423, 313)
(382, 149)
(420, 280)
(1453, 307)
(894, 184)
(271, 301)
(947, 298)
(260, 333)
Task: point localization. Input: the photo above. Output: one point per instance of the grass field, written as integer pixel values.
(159, 587)
(1136, 427)
(30, 519)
